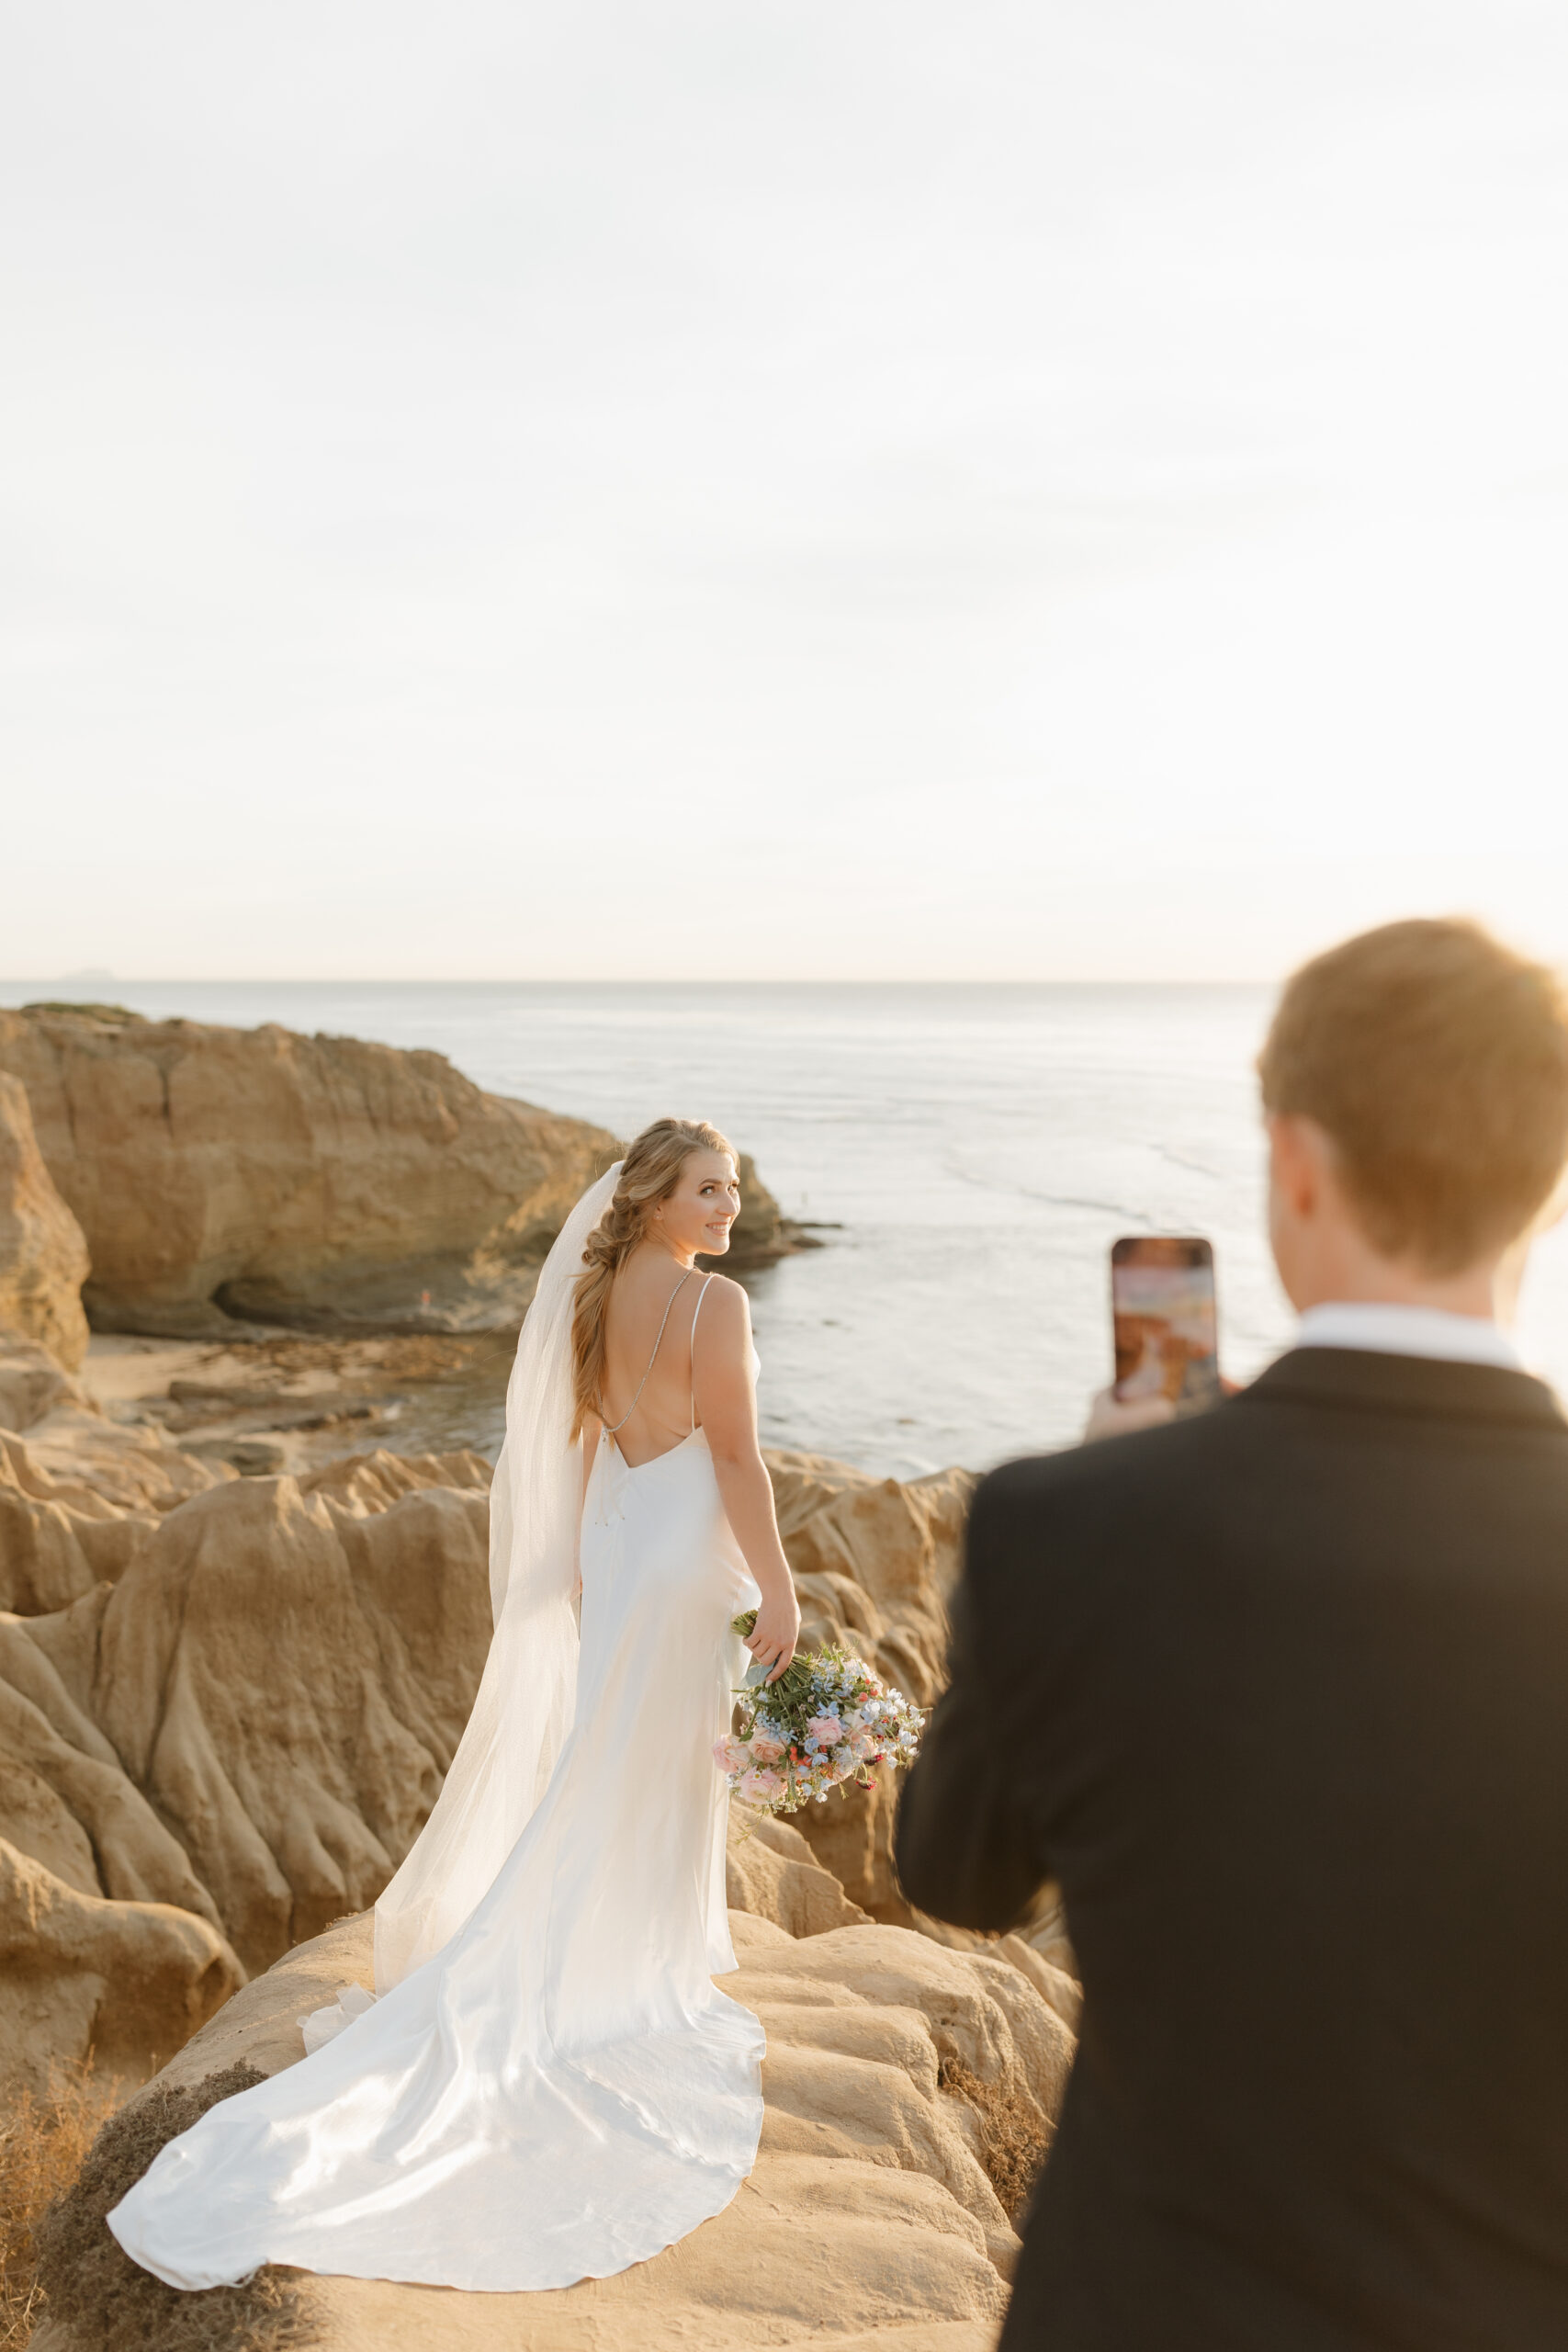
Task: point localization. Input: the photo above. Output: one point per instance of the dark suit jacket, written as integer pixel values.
(1279, 1694)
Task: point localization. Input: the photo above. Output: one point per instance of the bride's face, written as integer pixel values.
(695, 1218)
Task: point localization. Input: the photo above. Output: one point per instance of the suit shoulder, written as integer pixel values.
(1142, 1463)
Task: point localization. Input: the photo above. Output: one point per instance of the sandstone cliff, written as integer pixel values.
(319, 1182)
(43, 1253)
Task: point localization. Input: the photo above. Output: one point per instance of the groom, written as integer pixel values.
(1280, 1695)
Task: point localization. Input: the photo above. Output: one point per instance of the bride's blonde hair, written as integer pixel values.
(650, 1172)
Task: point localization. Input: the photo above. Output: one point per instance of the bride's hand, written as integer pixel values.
(774, 1636)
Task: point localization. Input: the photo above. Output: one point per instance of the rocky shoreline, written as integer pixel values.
(225, 1178)
(240, 1628)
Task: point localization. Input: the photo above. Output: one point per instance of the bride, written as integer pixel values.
(546, 2085)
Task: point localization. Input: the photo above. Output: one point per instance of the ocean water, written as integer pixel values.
(968, 1155)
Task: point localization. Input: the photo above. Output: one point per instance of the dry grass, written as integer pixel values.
(1014, 2133)
(42, 2143)
(101, 2295)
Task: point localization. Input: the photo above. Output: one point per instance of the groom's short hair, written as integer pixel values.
(1437, 1061)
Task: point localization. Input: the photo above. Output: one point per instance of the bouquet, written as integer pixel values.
(826, 1720)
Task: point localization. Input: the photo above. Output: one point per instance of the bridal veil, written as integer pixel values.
(523, 1707)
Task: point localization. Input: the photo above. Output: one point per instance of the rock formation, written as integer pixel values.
(130, 1981)
(78, 1494)
(226, 1706)
(904, 2086)
(873, 1561)
(32, 1382)
(43, 1253)
(319, 1182)
(240, 1696)
(275, 1683)
(772, 1874)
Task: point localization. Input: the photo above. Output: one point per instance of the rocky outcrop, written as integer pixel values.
(222, 1702)
(771, 1873)
(277, 1680)
(873, 1561)
(128, 1980)
(44, 1251)
(282, 1668)
(319, 1182)
(902, 2084)
(279, 1672)
(229, 1739)
(238, 1696)
(78, 1494)
(32, 1382)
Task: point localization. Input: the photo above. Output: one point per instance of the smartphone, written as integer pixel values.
(1164, 1319)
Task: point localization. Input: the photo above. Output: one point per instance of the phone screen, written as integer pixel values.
(1163, 1314)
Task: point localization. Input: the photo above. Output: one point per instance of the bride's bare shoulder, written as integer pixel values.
(726, 1309)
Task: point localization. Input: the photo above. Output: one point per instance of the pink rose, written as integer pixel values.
(824, 1731)
(766, 1750)
(759, 1788)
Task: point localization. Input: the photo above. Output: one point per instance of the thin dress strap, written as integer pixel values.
(696, 1312)
(610, 1427)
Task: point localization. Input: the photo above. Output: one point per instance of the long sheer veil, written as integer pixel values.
(526, 1695)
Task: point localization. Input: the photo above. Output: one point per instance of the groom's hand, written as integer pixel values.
(1114, 1416)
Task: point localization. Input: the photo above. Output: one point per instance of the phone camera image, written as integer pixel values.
(1165, 1320)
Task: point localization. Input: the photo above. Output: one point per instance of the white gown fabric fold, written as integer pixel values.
(547, 2087)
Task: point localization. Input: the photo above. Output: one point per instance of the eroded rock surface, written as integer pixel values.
(320, 1181)
(44, 1251)
(281, 1668)
(871, 2216)
(236, 1714)
(875, 1560)
(129, 1980)
(78, 1494)
(281, 1674)
(771, 1873)
(229, 1739)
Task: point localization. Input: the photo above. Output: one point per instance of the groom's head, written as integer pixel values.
(1415, 1085)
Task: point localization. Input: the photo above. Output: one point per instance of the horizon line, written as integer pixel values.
(695, 979)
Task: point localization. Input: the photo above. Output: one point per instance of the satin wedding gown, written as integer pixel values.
(547, 2087)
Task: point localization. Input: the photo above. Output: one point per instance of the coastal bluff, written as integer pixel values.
(323, 1183)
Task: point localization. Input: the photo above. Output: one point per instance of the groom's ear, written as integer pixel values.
(1290, 1163)
(1301, 1164)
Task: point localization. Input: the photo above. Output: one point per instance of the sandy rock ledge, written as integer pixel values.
(870, 2217)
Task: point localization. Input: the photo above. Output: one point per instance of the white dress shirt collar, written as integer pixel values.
(1392, 1330)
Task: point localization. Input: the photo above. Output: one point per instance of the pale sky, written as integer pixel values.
(822, 488)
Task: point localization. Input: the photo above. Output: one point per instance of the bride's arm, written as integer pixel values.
(726, 1407)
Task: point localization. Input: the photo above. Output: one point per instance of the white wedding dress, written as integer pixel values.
(547, 2087)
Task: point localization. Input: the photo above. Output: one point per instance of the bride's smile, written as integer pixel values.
(694, 1221)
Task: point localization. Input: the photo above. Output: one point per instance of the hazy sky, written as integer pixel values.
(822, 487)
